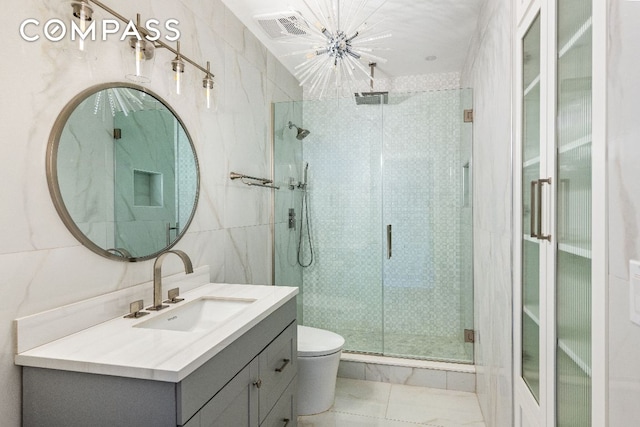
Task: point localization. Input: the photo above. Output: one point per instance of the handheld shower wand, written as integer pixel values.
(304, 211)
(303, 185)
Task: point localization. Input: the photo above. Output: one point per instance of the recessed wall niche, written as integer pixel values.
(147, 188)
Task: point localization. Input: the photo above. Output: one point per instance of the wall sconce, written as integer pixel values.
(207, 84)
(142, 51)
(177, 65)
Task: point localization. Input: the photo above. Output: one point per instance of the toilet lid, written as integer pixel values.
(317, 342)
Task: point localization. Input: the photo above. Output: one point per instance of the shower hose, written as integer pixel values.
(304, 210)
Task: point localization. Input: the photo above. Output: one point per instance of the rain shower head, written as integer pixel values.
(302, 133)
(371, 97)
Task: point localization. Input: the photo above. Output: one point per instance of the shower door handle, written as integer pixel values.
(389, 241)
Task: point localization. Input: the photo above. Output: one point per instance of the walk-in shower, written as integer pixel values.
(388, 199)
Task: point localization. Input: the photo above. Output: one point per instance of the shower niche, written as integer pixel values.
(383, 221)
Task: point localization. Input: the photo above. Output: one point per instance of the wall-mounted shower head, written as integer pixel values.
(302, 133)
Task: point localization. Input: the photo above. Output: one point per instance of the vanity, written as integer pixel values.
(175, 367)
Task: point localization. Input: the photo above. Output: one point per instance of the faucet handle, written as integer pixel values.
(173, 296)
(135, 310)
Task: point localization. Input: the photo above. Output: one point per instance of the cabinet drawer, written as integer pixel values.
(278, 366)
(284, 413)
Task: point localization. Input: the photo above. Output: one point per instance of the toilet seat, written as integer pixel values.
(313, 342)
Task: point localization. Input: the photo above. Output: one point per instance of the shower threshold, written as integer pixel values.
(396, 370)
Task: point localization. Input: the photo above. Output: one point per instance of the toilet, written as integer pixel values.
(318, 359)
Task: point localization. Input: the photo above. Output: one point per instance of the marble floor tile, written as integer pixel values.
(358, 397)
(423, 405)
(373, 404)
(339, 419)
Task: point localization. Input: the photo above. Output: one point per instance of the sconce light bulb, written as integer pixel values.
(207, 83)
(208, 98)
(178, 68)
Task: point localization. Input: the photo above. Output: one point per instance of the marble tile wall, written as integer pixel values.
(624, 208)
(86, 185)
(487, 71)
(401, 84)
(43, 266)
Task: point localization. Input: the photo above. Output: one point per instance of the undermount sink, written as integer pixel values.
(200, 314)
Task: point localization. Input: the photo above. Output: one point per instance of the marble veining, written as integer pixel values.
(367, 403)
(623, 154)
(117, 347)
(488, 70)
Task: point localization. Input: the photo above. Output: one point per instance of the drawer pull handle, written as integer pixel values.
(258, 383)
(286, 422)
(285, 362)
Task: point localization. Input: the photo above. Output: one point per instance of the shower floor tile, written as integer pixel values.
(448, 349)
(373, 404)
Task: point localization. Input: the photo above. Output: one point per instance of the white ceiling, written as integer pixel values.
(419, 28)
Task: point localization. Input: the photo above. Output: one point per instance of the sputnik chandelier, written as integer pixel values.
(342, 45)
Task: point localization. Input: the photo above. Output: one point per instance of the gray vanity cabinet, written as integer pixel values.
(262, 394)
(234, 405)
(252, 382)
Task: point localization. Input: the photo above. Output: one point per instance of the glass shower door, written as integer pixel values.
(427, 286)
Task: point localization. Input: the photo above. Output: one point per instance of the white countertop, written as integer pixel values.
(117, 348)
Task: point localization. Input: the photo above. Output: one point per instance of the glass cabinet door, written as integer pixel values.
(573, 257)
(530, 244)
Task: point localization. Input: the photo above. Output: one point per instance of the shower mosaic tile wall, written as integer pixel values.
(185, 187)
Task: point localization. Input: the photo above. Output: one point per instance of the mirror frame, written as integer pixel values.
(52, 170)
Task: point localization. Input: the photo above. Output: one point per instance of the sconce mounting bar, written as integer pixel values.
(157, 43)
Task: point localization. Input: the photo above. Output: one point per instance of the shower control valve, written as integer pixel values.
(292, 183)
(292, 218)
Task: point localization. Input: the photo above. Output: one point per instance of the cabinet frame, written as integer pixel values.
(527, 412)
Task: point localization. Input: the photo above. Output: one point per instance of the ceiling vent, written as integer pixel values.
(282, 24)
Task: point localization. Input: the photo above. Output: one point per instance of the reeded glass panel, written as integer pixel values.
(530, 174)
(573, 282)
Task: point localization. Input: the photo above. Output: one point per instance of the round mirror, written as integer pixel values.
(123, 172)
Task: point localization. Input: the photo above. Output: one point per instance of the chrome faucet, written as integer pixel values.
(157, 276)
